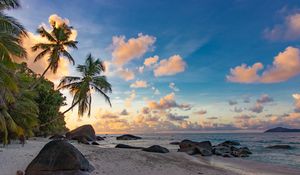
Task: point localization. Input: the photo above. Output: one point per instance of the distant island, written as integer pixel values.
(281, 129)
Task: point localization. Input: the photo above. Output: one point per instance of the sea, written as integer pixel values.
(256, 142)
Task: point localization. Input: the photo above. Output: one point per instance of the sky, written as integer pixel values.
(180, 66)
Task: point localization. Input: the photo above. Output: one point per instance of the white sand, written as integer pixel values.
(113, 161)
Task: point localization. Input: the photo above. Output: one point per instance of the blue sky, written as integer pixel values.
(211, 37)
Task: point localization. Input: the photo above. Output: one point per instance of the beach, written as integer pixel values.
(114, 161)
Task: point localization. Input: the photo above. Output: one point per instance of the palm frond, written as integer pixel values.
(11, 25)
(69, 56)
(9, 4)
(41, 54)
(44, 33)
(71, 44)
(10, 46)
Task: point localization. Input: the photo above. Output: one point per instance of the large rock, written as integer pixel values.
(280, 147)
(241, 152)
(82, 134)
(128, 137)
(99, 138)
(221, 150)
(156, 149)
(229, 143)
(127, 146)
(191, 147)
(58, 157)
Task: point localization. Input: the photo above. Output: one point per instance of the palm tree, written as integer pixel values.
(81, 87)
(58, 42)
(10, 46)
(10, 32)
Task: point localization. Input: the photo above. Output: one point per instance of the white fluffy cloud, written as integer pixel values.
(286, 65)
(125, 51)
(166, 67)
(173, 87)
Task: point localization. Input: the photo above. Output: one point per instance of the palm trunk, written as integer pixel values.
(51, 121)
(40, 78)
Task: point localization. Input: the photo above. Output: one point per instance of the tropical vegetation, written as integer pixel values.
(29, 103)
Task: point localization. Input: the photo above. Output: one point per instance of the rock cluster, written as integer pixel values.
(205, 148)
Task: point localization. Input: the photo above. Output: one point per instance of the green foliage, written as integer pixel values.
(24, 110)
(49, 102)
(56, 47)
(81, 86)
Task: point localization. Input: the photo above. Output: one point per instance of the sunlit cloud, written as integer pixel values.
(128, 100)
(286, 65)
(126, 74)
(40, 66)
(297, 102)
(289, 30)
(125, 51)
(200, 112)
(168, 102)
(151, 61)
(167, 67)
(139, 84)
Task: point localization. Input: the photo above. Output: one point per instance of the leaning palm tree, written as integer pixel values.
(10, 46)
(81, 87)
(58, 42)
(10, 32)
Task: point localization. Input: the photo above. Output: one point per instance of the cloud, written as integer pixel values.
(237, 109)
(171, 66)
(200, 112)
(124, 112)
(141, 69)
(56, 20)
(212, 118)
(289, 30)
(151, 61)
(126, 74)
(131, 97)
(125, 51)
(173, 87)
(232, 102)
(109, 116)
(168, 102)
(286, 65)
(40, 66)
(296, 102)
(155, 91)
(257, 108)
(139, 84)
(265, 98)
(245, 74)
(174, 117)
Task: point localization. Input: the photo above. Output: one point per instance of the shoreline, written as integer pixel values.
(113, 161)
